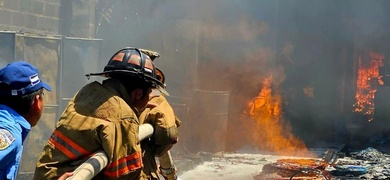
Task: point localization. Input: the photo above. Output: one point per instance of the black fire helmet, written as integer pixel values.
(132, 61)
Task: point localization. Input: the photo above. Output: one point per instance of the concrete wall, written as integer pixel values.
(49, 17)
(38, 16)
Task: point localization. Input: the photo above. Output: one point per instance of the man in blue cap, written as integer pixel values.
(21, 106)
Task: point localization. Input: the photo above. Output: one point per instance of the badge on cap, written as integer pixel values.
(34, 79)
(6, 138)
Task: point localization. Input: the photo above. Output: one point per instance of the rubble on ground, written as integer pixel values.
(369, 163)
(376, 163)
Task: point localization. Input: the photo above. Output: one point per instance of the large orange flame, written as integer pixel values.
(368, 76)
(270, 132)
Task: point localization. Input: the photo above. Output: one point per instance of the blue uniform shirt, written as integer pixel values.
(13, 131)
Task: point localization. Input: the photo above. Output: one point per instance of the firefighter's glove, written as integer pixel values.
(164, 138)
(169, 174)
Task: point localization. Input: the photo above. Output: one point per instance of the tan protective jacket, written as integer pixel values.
(165, 123)
(97, 117)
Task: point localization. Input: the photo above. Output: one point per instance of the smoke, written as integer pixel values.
(308, 47)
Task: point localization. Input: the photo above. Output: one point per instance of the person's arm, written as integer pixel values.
(65, 176)
(10, 153)
(167, 168)
(121, 144)
(7, 153)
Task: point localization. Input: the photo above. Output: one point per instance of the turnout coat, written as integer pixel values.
(97, 117)
(166, 134)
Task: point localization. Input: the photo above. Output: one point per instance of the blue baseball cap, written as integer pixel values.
(20, 78)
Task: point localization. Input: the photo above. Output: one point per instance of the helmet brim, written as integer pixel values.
(162, 90)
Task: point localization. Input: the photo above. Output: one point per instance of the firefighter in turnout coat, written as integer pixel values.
(160, 114)
(166, 134)
(103, 116)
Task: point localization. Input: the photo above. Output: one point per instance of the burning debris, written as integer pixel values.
(298, 168)
(293, 168)
(368, 78)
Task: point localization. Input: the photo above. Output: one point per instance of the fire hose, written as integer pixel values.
(96, 163)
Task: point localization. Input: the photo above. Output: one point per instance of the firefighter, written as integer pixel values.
(103, 116)
(160, 114)
(21, 107)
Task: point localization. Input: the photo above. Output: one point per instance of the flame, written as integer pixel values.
(270, 132)
(368, 75)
